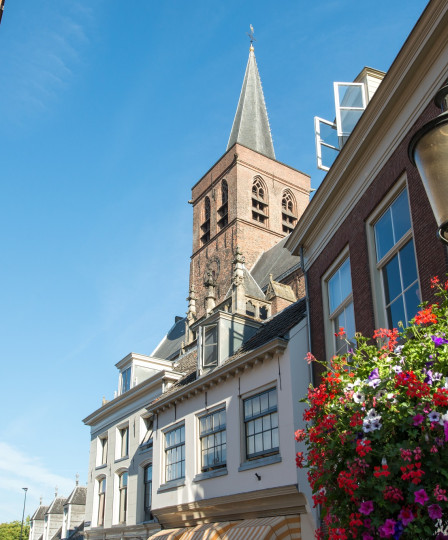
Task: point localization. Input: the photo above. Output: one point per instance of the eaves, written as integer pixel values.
(231, 368)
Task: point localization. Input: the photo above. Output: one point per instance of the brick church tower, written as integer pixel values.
(247, 199)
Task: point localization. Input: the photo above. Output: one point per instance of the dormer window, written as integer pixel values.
(205, 227)
(125, 380)
(288, 212)
(259, 201)
(223, 210)
(209, 346)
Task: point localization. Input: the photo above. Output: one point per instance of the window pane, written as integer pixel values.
(275, 438)
(346, 280)
(334, 291)
(408, 266)
(256, 406)
(272, 399)
(267, 443)
(349, 119)
(274, 420)
(328, 155)
(350, 96)
(349, 321)
(395, 313)
(412, 300)
(392, 282)
(258, 443)
(264, 402)
(400, 216)
(383, 235)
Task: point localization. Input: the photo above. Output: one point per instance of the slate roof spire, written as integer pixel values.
(251, 124)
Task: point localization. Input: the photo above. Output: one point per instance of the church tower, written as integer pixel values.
(247, 199)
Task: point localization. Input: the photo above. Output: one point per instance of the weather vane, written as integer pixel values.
(251, 35)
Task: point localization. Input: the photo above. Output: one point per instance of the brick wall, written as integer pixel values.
(431, 255)
(239, 166)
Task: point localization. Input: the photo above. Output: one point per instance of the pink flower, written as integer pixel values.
(439, 493)
(387, 529)
(418, 419)
(421, 497)
(367, 536)
(366, 508)
(434, 511)
(367, 523)
(406, 516)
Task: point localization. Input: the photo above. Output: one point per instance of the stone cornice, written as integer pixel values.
(130, 396)
(229, 369)
(417, 72)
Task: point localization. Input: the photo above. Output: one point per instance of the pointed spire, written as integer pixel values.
(251, 125)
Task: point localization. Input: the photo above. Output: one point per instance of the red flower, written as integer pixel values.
(440, 398)
(393, 494)
(435, 281)
(381, 471)
(300, 435)
(299, 460)
(363, 447)
(426, 316)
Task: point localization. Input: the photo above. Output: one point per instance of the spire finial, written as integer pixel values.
(251, 37)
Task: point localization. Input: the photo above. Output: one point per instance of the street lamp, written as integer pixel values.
(428, 150)
(23, 513)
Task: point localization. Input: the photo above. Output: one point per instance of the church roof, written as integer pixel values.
(172, 342)
(57, 506)
(277, 261)
(251, 124)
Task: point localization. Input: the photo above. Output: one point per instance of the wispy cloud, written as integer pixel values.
(18, 470)
(42, 57)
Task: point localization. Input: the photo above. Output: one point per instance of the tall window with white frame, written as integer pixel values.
(175, 454)
(125, 380)
(341, 312)
(124, 441)
(101, 501)
(102, 450)
(395, 260)
(147, 494)
(261, 424)
(212, 434)
(209, 346)
(123, 497)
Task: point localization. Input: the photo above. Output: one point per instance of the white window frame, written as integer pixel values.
(102, 450)
(144, 466)
(200, 416)
(339, 107)
(146, 430)
(378, 293)
(166, 431)
(125, 370)
(321, 142)
(120, 440)
(116, 498)
(96, 501)
(202, 332)
(273, 451)
(329, 317)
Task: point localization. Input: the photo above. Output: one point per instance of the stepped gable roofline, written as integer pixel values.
(57, 506)
(280, 290)
(271, 338)
(171, 343)
(251, 122)
(77, 496)
(277, 261)
(39, 514)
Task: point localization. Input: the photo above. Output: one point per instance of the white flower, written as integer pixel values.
(371, 414)
(381, 393)
(366, 425)
(434, 416)
(359, 397)
(443, 418)
(397, 369)
(349, 387)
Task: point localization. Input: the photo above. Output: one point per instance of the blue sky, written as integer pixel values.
(109, 114)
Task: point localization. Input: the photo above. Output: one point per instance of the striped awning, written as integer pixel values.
(273, 528)
(169, 534)
(208, 531)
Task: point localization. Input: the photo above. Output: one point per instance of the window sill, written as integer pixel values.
(260, 462)
(102, 466)
(173, 484)
(210, 474)
(121, 459)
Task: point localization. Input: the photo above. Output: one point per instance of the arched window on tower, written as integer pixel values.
(223, 210)
(289, 213)
(259, 201)
(205, 227)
